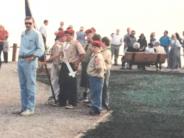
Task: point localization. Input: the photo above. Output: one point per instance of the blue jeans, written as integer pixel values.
(96, 86)
(27, 80)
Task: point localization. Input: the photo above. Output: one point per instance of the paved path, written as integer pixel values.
(48, 122)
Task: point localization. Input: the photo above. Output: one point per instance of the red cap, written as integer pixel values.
(68, 28)
(69, 31)
(97, 43)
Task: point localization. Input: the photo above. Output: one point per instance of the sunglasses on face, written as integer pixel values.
(28, 23)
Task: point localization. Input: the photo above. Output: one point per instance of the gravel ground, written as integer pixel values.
(47, 122)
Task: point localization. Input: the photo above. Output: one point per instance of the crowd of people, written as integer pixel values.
(171, 46)
(93, 54)
(87, 54)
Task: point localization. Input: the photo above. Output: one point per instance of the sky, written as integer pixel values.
(105, 15)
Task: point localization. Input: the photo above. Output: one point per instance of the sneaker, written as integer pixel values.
(107, 108)
(27, 113)
(51, 102)
(86, 100)
(17, 112)
(54, 104)
(51, 98)
(69, 107)
(93, 113)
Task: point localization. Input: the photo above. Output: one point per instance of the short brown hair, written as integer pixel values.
(106, 41)
(29, 18)
(45, 21)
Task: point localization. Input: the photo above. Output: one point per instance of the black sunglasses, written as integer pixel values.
(28, 23)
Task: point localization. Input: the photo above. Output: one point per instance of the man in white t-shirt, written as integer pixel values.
(116, 42)
(43, 31)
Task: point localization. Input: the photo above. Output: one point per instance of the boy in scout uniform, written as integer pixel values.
(72, 52)
(84, 76)
(96, 70)
(84, 83)
(106, 52)
(55, 68)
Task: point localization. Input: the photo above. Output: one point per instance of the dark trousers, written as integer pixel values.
(68, 87)
(44, 41)
(115, 53)
(5, 55)
(1, 49)
(84, 82)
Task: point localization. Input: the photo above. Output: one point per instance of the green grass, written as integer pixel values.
(144, 106)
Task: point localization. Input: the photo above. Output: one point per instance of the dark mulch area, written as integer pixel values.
(145, 105)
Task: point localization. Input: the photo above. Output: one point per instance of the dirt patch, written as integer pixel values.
(47, 122)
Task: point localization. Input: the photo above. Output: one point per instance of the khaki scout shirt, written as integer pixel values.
(55, 50)
(72, 50)
(107, 58)
(96, 62)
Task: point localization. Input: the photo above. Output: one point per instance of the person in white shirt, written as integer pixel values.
(116, 42)
(150, 49)
(43, 31)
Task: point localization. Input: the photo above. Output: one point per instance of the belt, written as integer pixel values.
(25, 56)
